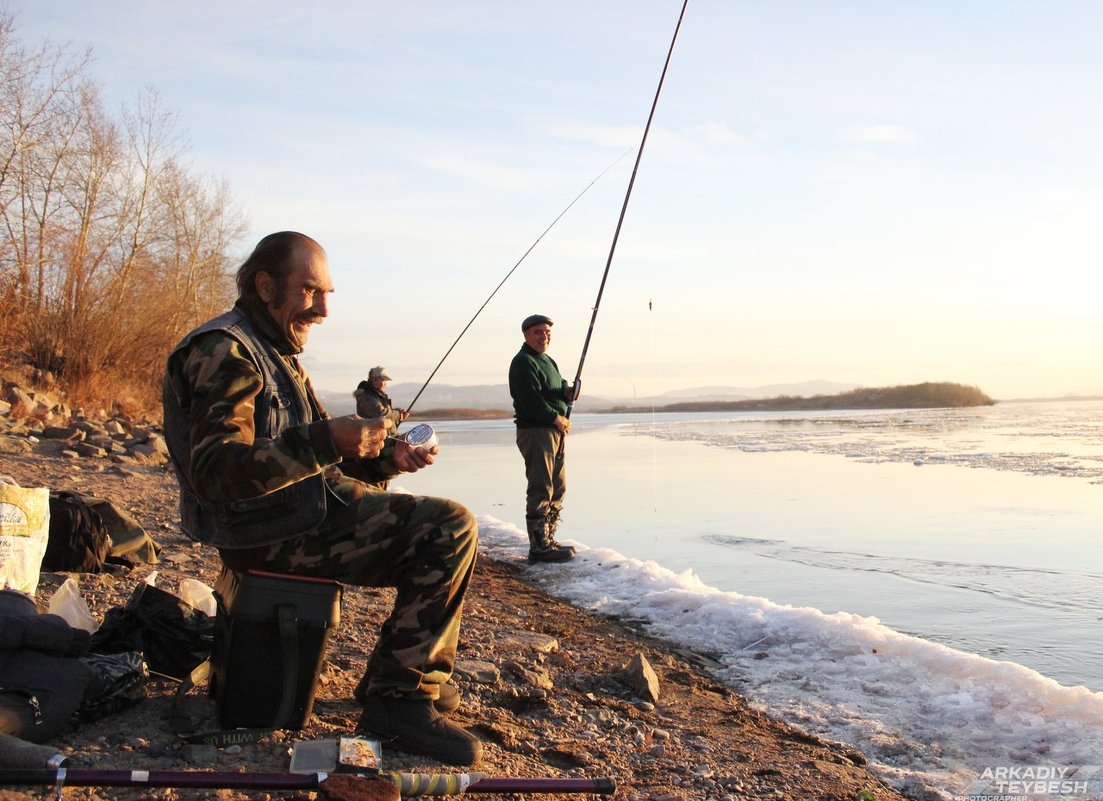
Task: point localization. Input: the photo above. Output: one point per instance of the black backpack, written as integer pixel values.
(89, 534)
(79, 539)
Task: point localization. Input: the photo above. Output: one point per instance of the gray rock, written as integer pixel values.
(518, 640)
(533, 677)
(89, 450)
(478, 671)
(115, 428)
(157, 442)
(90, 427)
(147, 454)
(201, 754)
(642, 679)
(15, 446)
(62, 432)
(22, 404)
(142, 433)
(51, 447)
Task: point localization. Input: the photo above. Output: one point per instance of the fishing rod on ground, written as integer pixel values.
(577, 385)
(512, 269)
(343, 785)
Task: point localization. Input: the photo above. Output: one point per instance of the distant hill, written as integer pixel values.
(492, 400)
(435, 396)
(804, 389)
(496, 396)
(928, 395)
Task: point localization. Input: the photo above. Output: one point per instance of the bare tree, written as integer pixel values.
(39, 96)
(110, 245)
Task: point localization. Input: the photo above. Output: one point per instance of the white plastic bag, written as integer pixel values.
(24, 533)
(198, 595)
(70, 604)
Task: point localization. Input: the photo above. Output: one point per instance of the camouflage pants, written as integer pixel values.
(425, 547)
(544, 452)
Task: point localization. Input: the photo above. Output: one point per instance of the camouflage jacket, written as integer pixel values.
(370, 402)
(249, 440)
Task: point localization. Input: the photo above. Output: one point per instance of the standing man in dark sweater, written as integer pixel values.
(540, 398)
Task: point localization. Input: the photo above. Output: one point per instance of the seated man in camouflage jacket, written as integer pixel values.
(275, 483)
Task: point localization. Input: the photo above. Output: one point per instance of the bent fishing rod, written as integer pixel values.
(407, 784)
(515, 266)
(577, 386)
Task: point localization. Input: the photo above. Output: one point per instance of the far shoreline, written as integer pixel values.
(930, 395)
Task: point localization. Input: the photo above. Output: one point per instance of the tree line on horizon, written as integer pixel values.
(112, 246)
(928, 395)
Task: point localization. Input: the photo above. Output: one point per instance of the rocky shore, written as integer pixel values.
(551, 690)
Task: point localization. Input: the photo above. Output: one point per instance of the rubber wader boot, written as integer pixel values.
(543, 547)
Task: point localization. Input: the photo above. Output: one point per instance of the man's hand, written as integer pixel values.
(402, 415)
(563, 424)
(358, 437)
(409, 459)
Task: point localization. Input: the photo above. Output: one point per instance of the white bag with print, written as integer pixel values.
(24, 534)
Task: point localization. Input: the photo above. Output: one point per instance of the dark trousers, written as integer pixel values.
(544, 452)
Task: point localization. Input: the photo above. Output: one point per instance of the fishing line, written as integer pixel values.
(577, 386)
(515, 266)
(654, 436)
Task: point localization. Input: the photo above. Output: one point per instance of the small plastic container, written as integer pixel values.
(421, 436)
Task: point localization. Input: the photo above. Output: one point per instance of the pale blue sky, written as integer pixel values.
(865, 192)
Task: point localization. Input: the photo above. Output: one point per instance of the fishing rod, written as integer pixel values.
(515, 266)
(577, 386)
(407, 784)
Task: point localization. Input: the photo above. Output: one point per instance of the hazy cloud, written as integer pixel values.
(880, 135)
(581, 131)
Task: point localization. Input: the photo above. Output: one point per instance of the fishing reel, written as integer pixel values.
(421, 436)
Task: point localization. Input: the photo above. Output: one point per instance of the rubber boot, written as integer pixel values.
(542, 545)
(553, 526)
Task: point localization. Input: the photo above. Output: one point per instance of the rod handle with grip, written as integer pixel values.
(471, 783)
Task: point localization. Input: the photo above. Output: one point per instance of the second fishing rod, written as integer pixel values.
(577, 384)
(576, 387)
(512, 270)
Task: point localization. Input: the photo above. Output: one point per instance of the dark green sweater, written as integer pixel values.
(538, 390)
